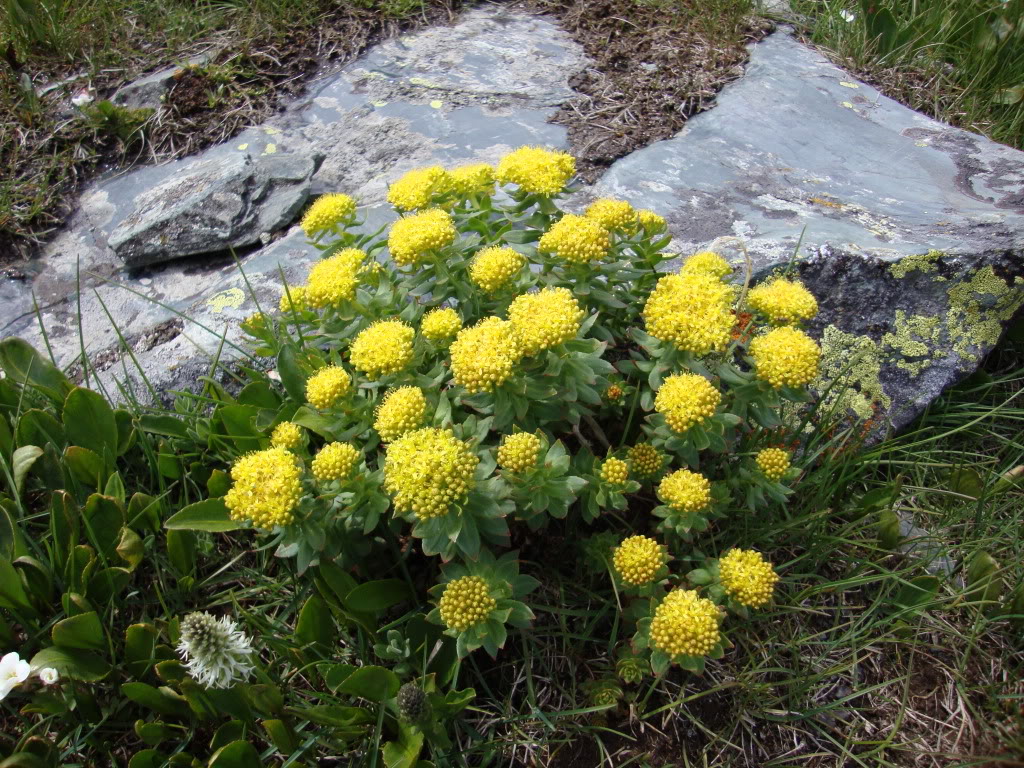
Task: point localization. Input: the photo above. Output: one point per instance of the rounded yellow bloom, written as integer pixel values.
(255, 323)
(638, 559)
(708, 262)
(440, 324)
(692, 310)
(466, 602)
(576, 239)
(783, 301)
(385, 347)
(615, 471)
(293, 300)
(484, 355)
(401, 411)
(685, 491)
(333, 280)
(328, 385)
(773, 463)
(428, 470)
(645, 459)
(614, 393)
(545, 319)
(475, 179)
(326, 212)
(493, 267)
(652, 223)
(335, 461)
(413, 237)
(614, 215)
(748, 578)
(785, 357)
(537, 170)
(286, 435)
(266, 487)
(419, 188)
(519, 452)
(685, 399)
(685, 624)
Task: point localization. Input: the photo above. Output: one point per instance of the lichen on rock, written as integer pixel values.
(850, 374)
(979, 308)
(914, 336)
(923, 262)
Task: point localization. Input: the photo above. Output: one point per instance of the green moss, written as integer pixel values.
(979, 307)
(923, 262)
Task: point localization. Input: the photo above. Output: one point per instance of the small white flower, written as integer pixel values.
(48, 675)
(847, 16)
(215, 651)
(82, 98)
(13, 672)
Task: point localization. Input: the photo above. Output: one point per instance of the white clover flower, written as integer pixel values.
(847, 16)
(13, 672)
(215, 651)
(48, 675)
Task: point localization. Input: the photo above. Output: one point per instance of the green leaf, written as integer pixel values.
(158, 424)
(153, 733)
(210, 515)
(377, 596)
(916, 593)
(292, 376)
(130, 548)
(12, 591)
(372, 683)
(22, 364)
(36, 427)
(102, 520)
(966, 481)
(335, 716)
(405, 752)
(108, 584)
(163, 700)
(888, 529)
(21, 462)
(181, 549)
(984, 580)
(83, 631)
(219, 483)
(89, 422)
(281, 736)
(72, 663)
(148, 758)
(315, 624)
(232, 730)
(87, 466)
(140, 648)
(239, 421)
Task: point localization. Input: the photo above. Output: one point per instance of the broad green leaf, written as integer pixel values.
(281, 736)
(73, 663)
(984, 580)
(108, 584)
(377, 596)
(229, 732)
(89, 422)
(372, 683)
(87, 466)
(23, 364)
(315, 624)
(12, 591)
(159, 424)
(140, 648)
(21, 463)
(82, 631)
(102, 520)
(210, 515)
(36, 427)
(130, 548)
(163, 700)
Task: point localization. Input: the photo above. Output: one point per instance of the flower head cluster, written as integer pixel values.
(484, 355)
(692, 310)
(685, 491)
(544, 320)
(413, 705)
(638, 559)
(413, 237)
(287, 435)
(215, 651)
(419, 188)
(428, 470)
(401, 411)
(645, 460)
(466, 602)
(13, 672)
(785, 357)
(747, 577)
(773, 463)
(326, 212)
(493, 267)
(328, 385)
(685, 624)
(783, 301)
(333, 280)
(518, 453)
(293, 299)
(576, 239)
(440, 324)
(685, 399)
(385, 347)
(537, 170)
(614, 215)
(255, 324)
(652, 223)
(475, 179)
(707, 262)
(335, 461)
(614, 471)
(266, 487)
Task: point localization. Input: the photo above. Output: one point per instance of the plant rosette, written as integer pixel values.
(683, 519)
(545, 489)
(751, 483)
(474, 601)
(680, 629)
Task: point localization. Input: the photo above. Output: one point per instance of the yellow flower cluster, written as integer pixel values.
(615, 471)
(266, 487)
(614, 215)
(385, 347)
(748, 578)
(537, 170)
(335, 461)
(293, 299)
(518, 452)
(328, 385)
(692, 310)
(326, 212)
(466, 602)
(484, 355)
(401, 411)
(652, 223)
(427, 470)
(254, 323)
(333, 280)
(638, 559)
(413, 237)
(475, 179)
(783, 301)
(576, 239)
(419, 188)
(440, 324)
(286, 435)
(773, 463)
(492, 267)
(686, 399)
(685, 624)
(614, 393)
(685, 491)
(785, 357)
(544, 320)
(645, 459)
(708, 262)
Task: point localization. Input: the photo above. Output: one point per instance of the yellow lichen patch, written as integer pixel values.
(922, 262)
(856, 362)
(232, 298)
(913, 337)
(978, 308)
